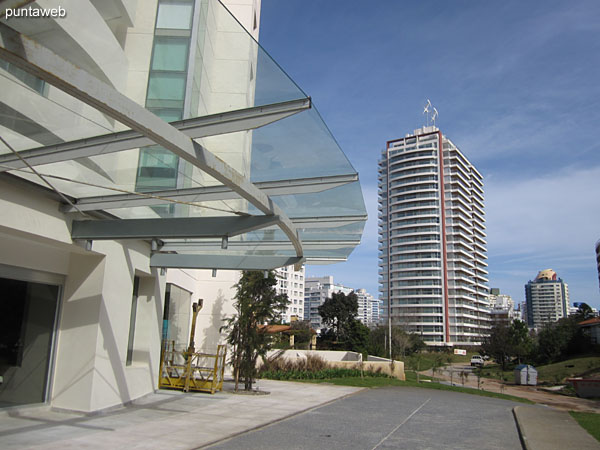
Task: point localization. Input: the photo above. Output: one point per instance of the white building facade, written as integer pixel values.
(316, 291)
(291, 283)
(432, 240)
(142, 166)
(368, 308)
(547, 299)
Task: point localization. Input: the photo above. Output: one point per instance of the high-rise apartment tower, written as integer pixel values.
(547, 299)
(432, 240)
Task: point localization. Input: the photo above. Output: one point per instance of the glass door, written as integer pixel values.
(27, 325)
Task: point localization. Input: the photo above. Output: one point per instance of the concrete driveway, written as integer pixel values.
(399, 418)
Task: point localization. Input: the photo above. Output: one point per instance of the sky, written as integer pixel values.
(517, 87)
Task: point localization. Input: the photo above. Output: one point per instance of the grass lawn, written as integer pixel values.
(555, 373)
(589, 421)
(426, 360)
(376, 382)
(551, 373)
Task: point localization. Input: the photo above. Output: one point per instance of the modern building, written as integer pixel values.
(368, 308)
(291, 283)
(316, 291)
(523, 311)
(149, 152)
(502, 308)
(547, 299)
(432, 240)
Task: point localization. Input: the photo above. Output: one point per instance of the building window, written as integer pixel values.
(174, 14)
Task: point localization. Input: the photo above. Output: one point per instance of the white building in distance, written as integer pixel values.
(291, 283)
(368, 308)
(547, 299)
(316, 291)
(432, 237)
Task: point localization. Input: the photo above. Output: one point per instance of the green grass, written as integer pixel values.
(370, 382)
(551, 373)
(556, 373)
(589, 421)
(425, 360)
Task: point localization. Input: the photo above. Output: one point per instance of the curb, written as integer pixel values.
(520, 429)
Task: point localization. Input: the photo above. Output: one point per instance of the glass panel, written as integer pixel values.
(27, 315)
(174, 14)
(170, 53)
(157, 169)
(33, 82)
(166, 86)
(177, 316)
(228, 71)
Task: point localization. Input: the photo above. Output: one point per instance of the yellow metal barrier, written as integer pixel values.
(192, 372)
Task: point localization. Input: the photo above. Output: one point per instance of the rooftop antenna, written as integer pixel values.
(426, 110)
(434, 115)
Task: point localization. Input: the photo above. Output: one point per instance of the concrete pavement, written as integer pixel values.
(544, 428)
(403, 418)
(164, 420)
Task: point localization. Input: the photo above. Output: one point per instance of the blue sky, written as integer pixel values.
(517, 87)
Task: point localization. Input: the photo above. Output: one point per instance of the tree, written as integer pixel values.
(357, 336)
(561, 340)
(584, 312)
(403, 343)
(339, 311)
(256, 304)
(521, 343)
(498, 344)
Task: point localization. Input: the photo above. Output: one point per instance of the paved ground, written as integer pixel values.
(399, 418)
(165, 420)
(297, 415)
(551, 429)
(533, 393)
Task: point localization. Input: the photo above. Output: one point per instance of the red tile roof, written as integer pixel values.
(590, 322)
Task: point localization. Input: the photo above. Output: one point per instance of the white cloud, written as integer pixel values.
(549, 221)
(556, 214)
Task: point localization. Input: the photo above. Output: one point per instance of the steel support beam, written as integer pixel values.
(169, 228)
(230, 262)
(185, 246)
(327, 222)
(209, 193)
(39, 61)
(227, 122)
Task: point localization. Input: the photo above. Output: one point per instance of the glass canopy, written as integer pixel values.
(214, 83)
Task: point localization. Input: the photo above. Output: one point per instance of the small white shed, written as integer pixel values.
(525, 374)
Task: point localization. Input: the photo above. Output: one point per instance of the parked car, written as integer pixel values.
(477, 360)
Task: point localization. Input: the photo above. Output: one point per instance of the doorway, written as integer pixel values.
(27, 328)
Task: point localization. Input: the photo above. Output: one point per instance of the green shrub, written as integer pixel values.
(322, 374)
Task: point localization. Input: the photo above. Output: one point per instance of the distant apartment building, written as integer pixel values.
(316, 291)
(291, 283)
(368, 308)
(547, 299)
(502, 308)
(432, 240)
(522, 311)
